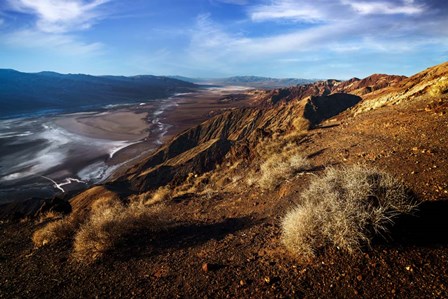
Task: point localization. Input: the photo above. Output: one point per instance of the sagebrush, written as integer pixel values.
(345, 208)
(107, 227)
(108, 222)
(281, 162)
(54, 231)
(65, 228)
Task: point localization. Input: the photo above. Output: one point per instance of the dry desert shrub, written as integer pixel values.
(300, 127)
(251, 179)
(344, 208)
(278, 158)
(301, 124)
(108, 222)
(49, 216)
(161, 194)
(152, 197)
(280, 167)
(204, 184)
(280, 162)
(108, 226)
(54, 231)
(65, 228)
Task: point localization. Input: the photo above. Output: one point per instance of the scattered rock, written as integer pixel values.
(205, 267)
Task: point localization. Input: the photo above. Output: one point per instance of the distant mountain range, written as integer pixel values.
(46, 92)
(248, 81)
(23, 93)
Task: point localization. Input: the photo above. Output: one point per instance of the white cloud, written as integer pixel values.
(224, 52)
(209, 39)
(288, 10)
(330, 10)
(60, 43)
(60, 16)
(1, 22)
(406, 7)
(338, 32)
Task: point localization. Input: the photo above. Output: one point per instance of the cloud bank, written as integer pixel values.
(53, 26)
(60, 16)
(328, 28)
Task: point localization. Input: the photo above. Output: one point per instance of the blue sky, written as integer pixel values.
(216, 38)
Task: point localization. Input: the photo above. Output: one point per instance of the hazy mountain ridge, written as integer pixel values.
(248, 81)
(36, 92)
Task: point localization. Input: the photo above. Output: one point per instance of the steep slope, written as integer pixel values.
(280, 111)
(407, 91)
(369, 84)
(353, 86)
(201, 148)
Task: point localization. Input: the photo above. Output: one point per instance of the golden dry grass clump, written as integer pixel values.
(108, 226)
(54, 231)
(344, 208)
(280, 167)
(159, 195)
(100, 226)
(281, 162)
(65, 228)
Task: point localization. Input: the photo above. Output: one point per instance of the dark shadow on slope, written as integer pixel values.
(320, 108)
(318, 168)
(427, 227)
(327, 126)
(33, 208)
(317, 153)
(146, 243)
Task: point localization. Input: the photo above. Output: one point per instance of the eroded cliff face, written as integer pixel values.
(407, 91)
(235, 134)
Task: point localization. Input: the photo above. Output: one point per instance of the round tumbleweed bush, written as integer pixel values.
(344, 208)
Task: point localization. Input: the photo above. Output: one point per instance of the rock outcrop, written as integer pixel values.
(277, 112)
(199, 149)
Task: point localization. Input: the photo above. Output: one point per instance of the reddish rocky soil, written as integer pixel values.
(227, 244)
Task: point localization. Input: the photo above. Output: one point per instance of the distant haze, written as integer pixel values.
(248, 81)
